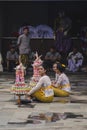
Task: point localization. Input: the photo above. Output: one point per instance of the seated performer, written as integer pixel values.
(61, 86)
(43, 90)
(75, 60)
(56, 74)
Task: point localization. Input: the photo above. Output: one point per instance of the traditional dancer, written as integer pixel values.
(61, 86)
(20, 87)
(36, 75)
(43, 90)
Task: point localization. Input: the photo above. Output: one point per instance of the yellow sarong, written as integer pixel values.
(44, 94)
(61, 93)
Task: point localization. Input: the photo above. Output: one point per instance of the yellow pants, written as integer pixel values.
(60, 93)
(24, 59)
(40, 95)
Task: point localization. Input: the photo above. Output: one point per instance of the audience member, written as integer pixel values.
(75, 60)
(12, 59)
(51, 57)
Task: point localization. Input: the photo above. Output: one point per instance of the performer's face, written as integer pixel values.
(42, 71)
(55, 67)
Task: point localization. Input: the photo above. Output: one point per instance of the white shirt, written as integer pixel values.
(24, 44)
(56, 77)
(12, 56)
(43, 82)
(64, 81)
(74, 56)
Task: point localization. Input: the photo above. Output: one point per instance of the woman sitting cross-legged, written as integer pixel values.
(61, 86)
(43, 90)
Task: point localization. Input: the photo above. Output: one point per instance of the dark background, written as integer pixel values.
(16, 14)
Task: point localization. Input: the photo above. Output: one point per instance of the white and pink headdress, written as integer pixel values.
(20, 69)
(36, 65)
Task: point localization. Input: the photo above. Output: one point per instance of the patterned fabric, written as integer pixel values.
(20, 87)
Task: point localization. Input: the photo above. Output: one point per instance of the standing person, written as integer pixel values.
(62, 27)
(43, 90)
(62, 85)
(24, 46)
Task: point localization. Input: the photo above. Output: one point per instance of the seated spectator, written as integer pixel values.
(75, 60)
(51, 57)
(12, 59)
(1, 67)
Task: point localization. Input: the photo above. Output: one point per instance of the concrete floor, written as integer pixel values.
(13, 117)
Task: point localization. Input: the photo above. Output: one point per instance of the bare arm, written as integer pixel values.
(37, 87)
(19, 41)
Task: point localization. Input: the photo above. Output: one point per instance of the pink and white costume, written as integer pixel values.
(19, 87)
(36, 75)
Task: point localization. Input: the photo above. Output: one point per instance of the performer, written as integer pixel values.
(36, 65)
(43, 90)
(56, 74)
(61, 86)
(20, 88)
(36, 76)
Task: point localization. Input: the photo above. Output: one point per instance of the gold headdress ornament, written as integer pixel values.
(63, 65)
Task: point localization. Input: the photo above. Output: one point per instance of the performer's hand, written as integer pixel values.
(29, 97)
(53, 84)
